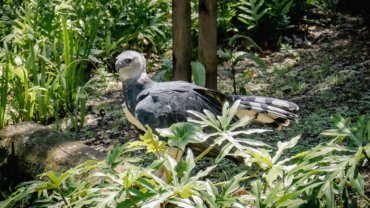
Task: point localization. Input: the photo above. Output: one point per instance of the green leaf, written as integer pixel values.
(198, 73)
(113, 155)
(367, 151)
(228, 114)
(291, 203)
(151, 142)
(329, 194)
(190, 164)
(272, 196)
(157, 200)
(256, 192)
(232, 185)
(55, 179)
(252, 142)
(224, 151)
(273, 173)
(252, 57)
(181, 134)
(283, 146)
(224, 54)
(343, 129)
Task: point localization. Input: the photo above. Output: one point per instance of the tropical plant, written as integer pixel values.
(263, 20)
(47, 62)
(251, 12)
(51, 47)
(324, 5)
(143, 25)
(4, 84)
(326, 175)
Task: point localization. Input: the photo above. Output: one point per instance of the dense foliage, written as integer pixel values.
(50, 52)
(326, 175)
(49, 49)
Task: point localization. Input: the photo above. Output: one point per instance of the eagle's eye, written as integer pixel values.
(127, 61)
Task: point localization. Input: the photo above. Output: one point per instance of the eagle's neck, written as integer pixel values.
(133, 87)
(142, 80)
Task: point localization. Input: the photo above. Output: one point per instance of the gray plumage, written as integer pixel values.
(160, 104)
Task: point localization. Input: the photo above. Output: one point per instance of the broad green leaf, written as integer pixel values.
(203, 173)
(198, 73)
(291, 203)
(181, 134)
(224, 151)
(252, 142)
(190, 164)
(232, 185)
(228, 114)
(240, 123)
(224, 54)
(259, 156)
(272, 196)
(157, 200)
(329, 194)
(283, 146)
(211, 188)
(343, 127)
(185, 191)
(273, 173)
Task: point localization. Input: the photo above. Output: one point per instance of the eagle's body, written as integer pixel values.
(160, 104)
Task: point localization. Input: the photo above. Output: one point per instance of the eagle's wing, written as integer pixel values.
(163, 104)
(166, 103)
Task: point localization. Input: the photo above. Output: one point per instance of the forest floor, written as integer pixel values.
(325, 71)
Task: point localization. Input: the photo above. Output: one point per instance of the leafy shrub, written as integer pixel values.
(324, 5)
(46, 54)
(262, 20)
(51, 47)
(322, 176)
(143, 24)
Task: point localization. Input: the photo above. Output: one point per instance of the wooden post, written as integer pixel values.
(207, 42)
(181, 31)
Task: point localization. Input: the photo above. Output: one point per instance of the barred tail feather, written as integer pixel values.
(269, 101)
(267, 110)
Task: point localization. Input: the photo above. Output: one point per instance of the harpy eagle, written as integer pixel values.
(160, 104)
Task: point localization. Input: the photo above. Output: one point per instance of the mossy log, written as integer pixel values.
(28, 149)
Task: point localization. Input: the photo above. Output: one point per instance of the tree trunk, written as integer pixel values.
(207, 42)
(181, 40)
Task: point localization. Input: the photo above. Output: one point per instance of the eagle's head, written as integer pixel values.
(130, 64)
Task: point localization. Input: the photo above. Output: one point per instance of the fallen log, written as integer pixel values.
(29, 149)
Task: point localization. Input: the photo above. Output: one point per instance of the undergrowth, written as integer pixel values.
(325, 175)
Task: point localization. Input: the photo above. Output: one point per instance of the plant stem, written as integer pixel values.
(204, 153)
(234, 79)
(131, 199)
(265, 187)
(366, 198)
(177, 154)
(64, 199)
(367, 156)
